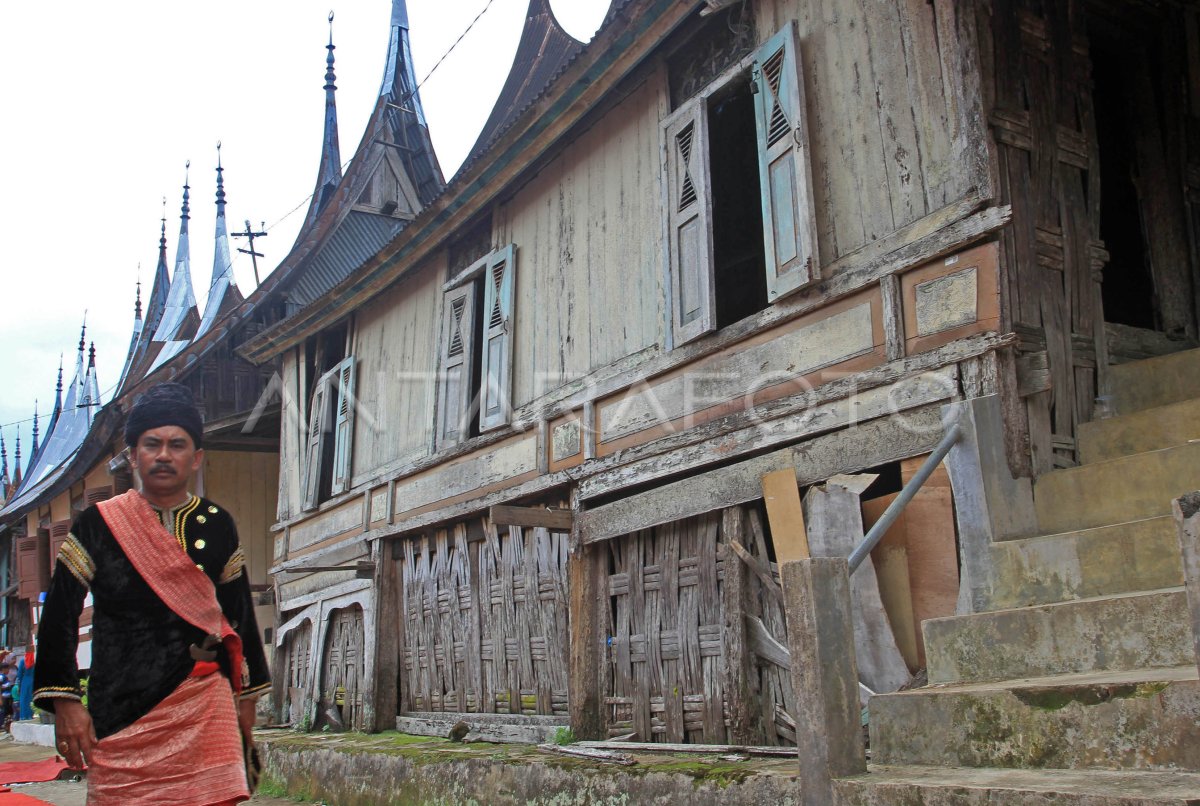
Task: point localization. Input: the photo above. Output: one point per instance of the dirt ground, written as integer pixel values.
(74, 793)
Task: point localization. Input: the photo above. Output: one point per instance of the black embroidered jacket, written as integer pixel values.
(140, 648)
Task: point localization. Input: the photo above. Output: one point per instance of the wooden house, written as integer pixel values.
(522, 449)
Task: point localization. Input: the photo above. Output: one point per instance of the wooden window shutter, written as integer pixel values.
(94, 495)
(59, 532)
(312, 455)
(784, 170)
(343, 429)
(458, 347)
(495, 393)
(689, 223)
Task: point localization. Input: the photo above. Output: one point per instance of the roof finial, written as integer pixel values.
(91, 356)
(187, 167)
(17, 458)
(220, 184)
(35, 427)
(137, 302)
(83, 333)
(329, 76)
(58, 390)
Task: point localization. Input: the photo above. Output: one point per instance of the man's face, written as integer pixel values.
(165, 459)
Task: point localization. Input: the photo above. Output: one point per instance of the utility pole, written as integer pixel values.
(250, 235)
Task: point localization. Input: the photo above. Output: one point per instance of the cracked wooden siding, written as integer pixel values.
(589, 248)
(891, 135)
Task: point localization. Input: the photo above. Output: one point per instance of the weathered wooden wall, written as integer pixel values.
(891, 130)
(395, 342)
(291, 436)
(244, 483)
(588, 231)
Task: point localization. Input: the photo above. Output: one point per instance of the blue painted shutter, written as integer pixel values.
(312, 453)
(785, 175)
(689, 222)
(458, 346)
(495, 394)
(343, 429)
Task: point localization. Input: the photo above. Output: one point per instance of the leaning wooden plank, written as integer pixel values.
(707, 749)
(763, 574)
(885, 439)
(765, 645)
(786, 516)
(592, 754)
(835, 527)
(556, 520)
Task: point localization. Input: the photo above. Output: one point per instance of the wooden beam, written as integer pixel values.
(785, 515)
(708, 749)
(886, 439)
(556, 520)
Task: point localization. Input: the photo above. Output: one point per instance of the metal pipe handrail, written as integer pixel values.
(894, 509)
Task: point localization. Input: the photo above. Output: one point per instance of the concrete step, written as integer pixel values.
(1147, 430)
(949, 786)
(1124, 632)
(1123, 558)
(1116, 491)
(1119, 721)
(1154, 382)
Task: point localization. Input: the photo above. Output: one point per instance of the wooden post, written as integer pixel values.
(586, 665)
(738, 657)
(989, 504)
(381, 700)
(824, 675)
(835, 527)
(1187, 518)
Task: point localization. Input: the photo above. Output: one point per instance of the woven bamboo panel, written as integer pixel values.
(485, 621)
(667, 656)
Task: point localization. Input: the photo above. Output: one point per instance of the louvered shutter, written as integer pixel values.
(312, 455)
(785, 176)
(59, 532)
(495, 394)
(343, 430)
(689, 223)
(458, 345)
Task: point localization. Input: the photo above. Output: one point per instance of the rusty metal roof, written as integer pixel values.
(544, 50)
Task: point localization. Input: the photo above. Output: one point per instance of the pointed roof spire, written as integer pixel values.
(58, 387)
(223, 293)
(33, 453)
(91, 387)
(180, 318)
(5, 481)
(405, 113)
(544, 48)
(135, 338)
(329, 174)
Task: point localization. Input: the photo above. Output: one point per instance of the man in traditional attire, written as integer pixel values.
(177, 660)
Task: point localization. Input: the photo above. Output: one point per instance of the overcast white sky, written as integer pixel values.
(106, 102)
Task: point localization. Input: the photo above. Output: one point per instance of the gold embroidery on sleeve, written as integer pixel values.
(235, 567)
(76, 559)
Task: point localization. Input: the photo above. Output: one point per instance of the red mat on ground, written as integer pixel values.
(25, 772)
(13, 799)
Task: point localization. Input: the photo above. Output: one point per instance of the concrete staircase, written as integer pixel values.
(1079, 686)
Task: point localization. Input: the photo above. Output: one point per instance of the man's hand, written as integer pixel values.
(73, 733)
(247, 717)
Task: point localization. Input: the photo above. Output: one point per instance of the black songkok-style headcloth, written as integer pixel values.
(164, 404)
